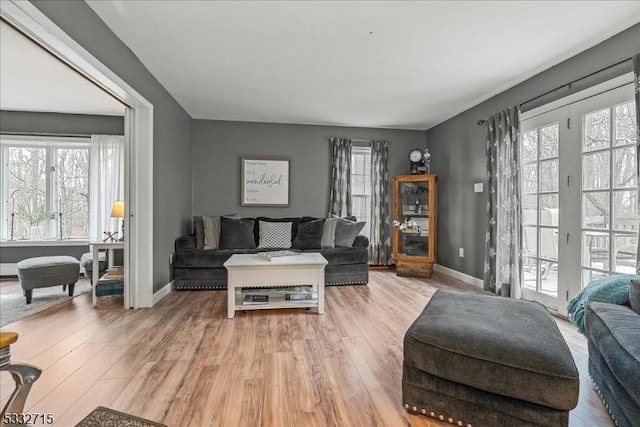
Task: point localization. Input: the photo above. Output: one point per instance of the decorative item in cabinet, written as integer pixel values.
(414, 220)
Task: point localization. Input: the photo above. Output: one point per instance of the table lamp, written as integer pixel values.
(117, 211)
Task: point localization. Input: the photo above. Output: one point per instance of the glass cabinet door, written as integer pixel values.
(413, 215)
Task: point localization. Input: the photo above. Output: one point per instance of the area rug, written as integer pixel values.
(13, 306)
(102, 416)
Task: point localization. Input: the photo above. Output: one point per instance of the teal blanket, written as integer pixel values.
(612, 289)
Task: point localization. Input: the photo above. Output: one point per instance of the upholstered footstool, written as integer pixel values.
(86, 261)
(483, 360)
(47, 271)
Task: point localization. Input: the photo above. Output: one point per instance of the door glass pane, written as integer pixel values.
(549, 243)
(27, 195)
(625, 250)
(624, 167)
(549, 277)
(530, 242)
(413, 243)
(626, 123)
(595, 209)
(529, 209)
(625, 210)
(595, 250)
(530, 272)
(530, 179)
(589, 275)
(529, 147)
(549, 175)
(549, 141)
(595, 171)
(549, 209)
(597, 128)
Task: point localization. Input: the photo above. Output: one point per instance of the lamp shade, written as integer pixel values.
(117, 209)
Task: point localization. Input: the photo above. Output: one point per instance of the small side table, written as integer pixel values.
(95, 249)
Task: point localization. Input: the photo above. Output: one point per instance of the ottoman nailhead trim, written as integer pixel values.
(406, 406)
(450, 420)
(459, 423)
(432, 414)
(414, 409)
(424, 411)
(441, 417)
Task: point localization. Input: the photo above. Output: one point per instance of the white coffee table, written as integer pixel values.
(249, 271)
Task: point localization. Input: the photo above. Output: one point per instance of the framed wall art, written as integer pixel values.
(265, 182)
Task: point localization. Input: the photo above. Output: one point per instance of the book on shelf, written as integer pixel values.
(251, 299)
(269, 255)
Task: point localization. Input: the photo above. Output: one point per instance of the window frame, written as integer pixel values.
(366, 151)
(52, 144)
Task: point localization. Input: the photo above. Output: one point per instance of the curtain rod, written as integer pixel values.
(44, 134)
(482, 121)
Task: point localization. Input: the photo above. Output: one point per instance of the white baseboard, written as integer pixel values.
(11, 269)
(479, 283)
(166, 290)
(8, 269)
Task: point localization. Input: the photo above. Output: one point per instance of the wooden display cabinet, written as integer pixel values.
(414, 208)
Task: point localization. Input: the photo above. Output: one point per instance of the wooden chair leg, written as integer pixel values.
(28, 293)
(72, 287)
(64, 288)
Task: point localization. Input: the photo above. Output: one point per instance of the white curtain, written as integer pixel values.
(107, 183)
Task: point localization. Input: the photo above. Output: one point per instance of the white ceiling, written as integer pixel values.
(31, 79)
(392, 64)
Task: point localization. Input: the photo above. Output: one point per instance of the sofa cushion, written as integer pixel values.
(236, 233)
(503, 346)
(346, 232)
(634, 295)
(309, 235)
(343, 256)
(198, 231)
(615, 331)
(207, 258)
(274, 235)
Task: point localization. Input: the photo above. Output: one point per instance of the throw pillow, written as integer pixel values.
(211, 226)
(236, 233)
(198, 230)
(329, 233)
(275, 235)
(309, 235)
(346, 232)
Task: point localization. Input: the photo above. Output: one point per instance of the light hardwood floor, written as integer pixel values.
(185, 364)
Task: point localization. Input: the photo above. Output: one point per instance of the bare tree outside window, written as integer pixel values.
(46, 192)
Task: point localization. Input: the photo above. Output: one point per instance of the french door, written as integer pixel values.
(579, 195)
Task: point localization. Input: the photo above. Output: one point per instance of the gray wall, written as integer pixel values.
(219, 145)
(171, 125)
(458, 150)
(58, 123)
(54, 123)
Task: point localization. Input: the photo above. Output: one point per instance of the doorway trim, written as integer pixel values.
(138, 132)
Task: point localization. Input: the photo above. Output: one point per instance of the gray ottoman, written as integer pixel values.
(483, 360)
(86, 261)
(46, 271)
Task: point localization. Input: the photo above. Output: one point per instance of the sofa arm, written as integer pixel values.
(361, 242)
(185, 243)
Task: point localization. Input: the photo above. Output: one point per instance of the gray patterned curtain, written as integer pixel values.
(503, 262)
(340, 191)
(636, 85)
(379, 234)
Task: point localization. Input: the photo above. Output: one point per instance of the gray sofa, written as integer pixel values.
(613, 333)
(194, 267)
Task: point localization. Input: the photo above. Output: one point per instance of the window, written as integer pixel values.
(361, 185)
(45, 188)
